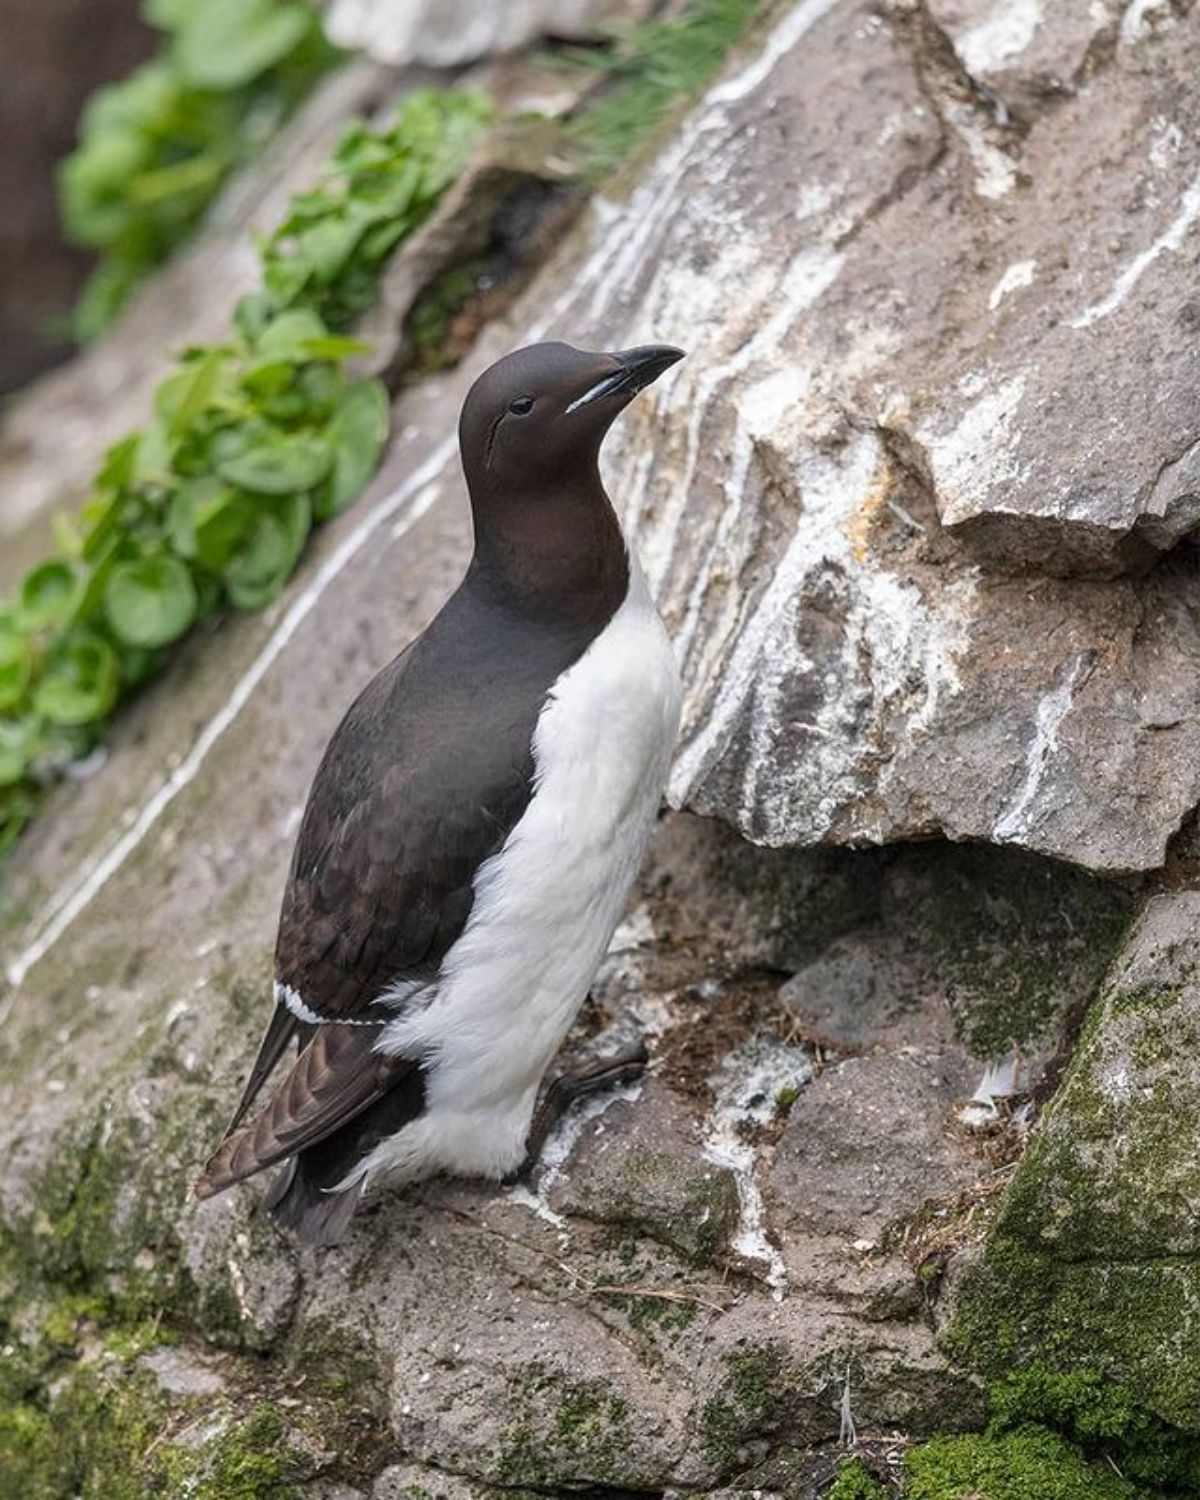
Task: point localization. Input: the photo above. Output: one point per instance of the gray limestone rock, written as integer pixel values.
(864, 498)
(639, 1168)
(868, 1143)
(448, 33)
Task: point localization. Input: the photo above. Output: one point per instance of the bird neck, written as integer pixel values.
(558, 554)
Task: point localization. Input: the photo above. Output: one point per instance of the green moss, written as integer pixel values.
(33, 1463)
(749, 1402)
(1092, 1261)
(1018, 938)
(337, 1365)
(432, 320)
(102, 1428)
(1028, 1464)
(249, 1463)
(62, 1319)
(1138, 1323)
(784, 1100)
(84, 1433)
(1104, 1418)
(854, 1482)
(658, 1316)
(101, 1242)
(1109, 1168)
(564, 1431)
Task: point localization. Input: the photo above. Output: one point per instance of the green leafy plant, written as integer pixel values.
(155, 148)
(252, 441)
(328, 252)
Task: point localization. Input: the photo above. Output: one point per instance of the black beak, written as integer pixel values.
(636, 369)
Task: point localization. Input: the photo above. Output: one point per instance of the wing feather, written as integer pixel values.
(335, 1078)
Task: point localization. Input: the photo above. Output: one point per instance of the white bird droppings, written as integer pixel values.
(1018, 275)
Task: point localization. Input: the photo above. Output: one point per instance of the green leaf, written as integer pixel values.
(285, 336)
(16, 664)
(272, 464)
(357, 434)
(152, 462)
(299, 335)
(99, 519)
(207, 521)
(101, 562)
(222, 524)
(138, 665)
(49, 594)
(327, 246)
(260, 570)
(334, 346)
(67, 535)
(117, 468)
(227, 43)
(268, 377)
(151, 601)
(181, 512)
(252, 314)
(181, 398)
(285, 277)
(80, 682)
(18, 747)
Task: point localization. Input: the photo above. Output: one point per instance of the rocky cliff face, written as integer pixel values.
(917, 511)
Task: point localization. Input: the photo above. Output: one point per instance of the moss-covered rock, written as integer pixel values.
(854, 1482)
(1014, 1305)
(1055, 1436)
(106, 1423)
(1113, 1172)
(564, 1428)
(1018, 942)
(1094, 1259)
(1031, 1464)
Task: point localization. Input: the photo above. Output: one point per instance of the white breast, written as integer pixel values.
(545, 906)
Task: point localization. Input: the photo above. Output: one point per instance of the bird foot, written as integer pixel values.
(567, 1090)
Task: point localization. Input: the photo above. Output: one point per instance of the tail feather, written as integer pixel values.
(340, 1101)
(307, 1196)
(315, 1215)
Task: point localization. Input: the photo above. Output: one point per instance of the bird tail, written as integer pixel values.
(315, 1215)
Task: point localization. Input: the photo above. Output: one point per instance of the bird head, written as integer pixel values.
(537, 417)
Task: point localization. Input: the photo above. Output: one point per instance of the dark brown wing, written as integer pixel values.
(281, 1029)
(335, 1078)
(422, 782)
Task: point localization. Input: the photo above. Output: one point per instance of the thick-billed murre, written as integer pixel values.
(474, 826)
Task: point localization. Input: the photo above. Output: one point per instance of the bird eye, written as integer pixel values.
(522, 406)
